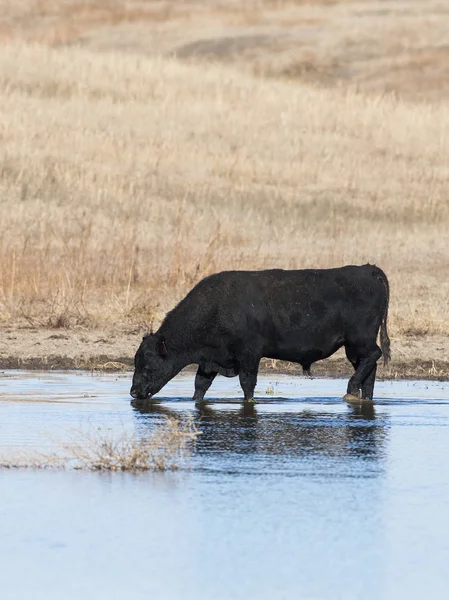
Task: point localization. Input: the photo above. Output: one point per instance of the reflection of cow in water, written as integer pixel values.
(249, 430)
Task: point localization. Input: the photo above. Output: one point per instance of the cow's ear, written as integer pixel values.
(161, 348)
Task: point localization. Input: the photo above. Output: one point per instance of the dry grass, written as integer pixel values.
(398, 45)
(163, 449)
(126, 177)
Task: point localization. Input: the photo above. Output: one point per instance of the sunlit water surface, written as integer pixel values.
(299, 497)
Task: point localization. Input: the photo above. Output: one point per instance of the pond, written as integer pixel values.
(299, 496)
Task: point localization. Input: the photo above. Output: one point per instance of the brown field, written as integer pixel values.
(146, 144)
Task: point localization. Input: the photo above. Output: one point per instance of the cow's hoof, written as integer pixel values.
(352, 399)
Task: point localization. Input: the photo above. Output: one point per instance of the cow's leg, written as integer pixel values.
(368, 385)
(351, 355)
(203, 380)
(249, 368)
(367, 360)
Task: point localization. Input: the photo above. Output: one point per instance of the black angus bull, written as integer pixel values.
(230, 320)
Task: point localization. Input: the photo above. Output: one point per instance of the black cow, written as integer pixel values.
(230, 320)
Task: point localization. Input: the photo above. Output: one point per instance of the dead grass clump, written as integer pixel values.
(57, 311)
(165, 448)
(161, 450)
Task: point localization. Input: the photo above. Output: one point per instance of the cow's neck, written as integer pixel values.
(182, 346)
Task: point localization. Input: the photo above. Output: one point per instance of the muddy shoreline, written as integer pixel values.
(419, 357)
(430, 370)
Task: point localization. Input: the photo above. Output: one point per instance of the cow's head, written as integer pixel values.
(152, 367)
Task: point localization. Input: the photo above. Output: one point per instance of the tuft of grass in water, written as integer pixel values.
(162, 449)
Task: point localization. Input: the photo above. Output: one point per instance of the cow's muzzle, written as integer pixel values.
(138, 394)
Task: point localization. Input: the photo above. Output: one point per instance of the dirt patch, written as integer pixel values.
(227, 47)
(414, 357)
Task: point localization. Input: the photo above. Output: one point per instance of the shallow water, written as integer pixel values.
(301, 496)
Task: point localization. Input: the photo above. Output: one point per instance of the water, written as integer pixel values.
(299, 497)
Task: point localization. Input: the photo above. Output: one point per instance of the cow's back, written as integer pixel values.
(275, 304)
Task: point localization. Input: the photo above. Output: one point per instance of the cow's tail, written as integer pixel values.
(384, 339)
